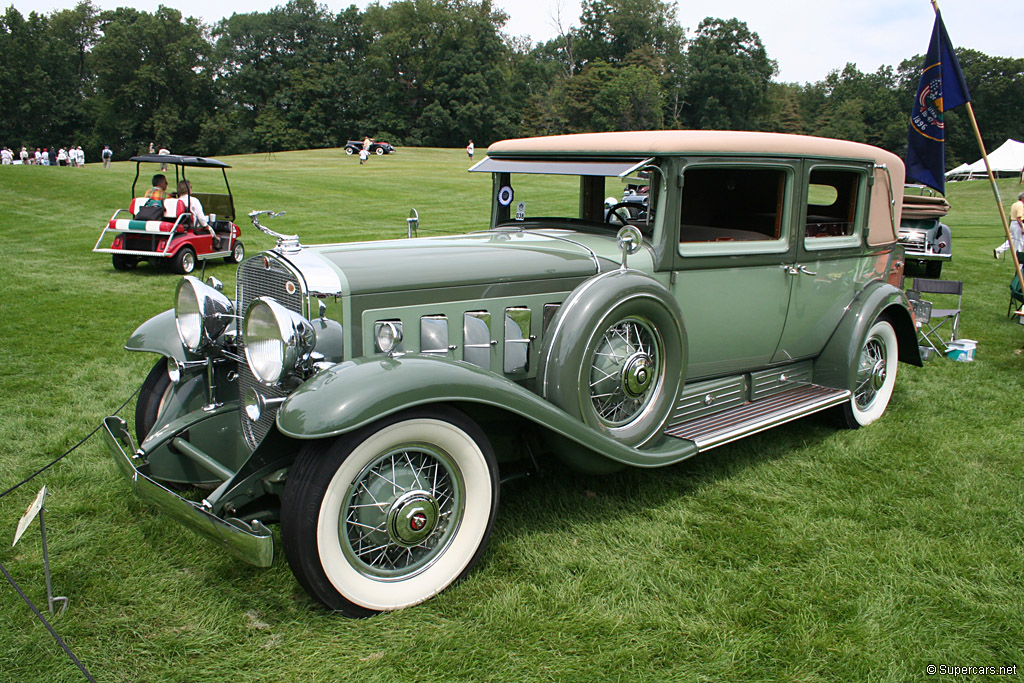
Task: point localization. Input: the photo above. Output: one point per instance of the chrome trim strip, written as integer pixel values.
(252, 543)
(639, 166)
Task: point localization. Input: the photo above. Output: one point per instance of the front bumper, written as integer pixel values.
(252, 543)
(926, 255)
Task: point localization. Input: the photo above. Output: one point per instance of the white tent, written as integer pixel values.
(1008, 159)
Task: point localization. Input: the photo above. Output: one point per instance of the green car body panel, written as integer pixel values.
(738, 295)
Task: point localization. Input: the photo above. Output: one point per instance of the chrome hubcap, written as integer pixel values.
(625, 372)
(412, 518)
(637, 375)
(402, 511)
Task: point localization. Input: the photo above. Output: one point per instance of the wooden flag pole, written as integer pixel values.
(991, 177)
(995, 191)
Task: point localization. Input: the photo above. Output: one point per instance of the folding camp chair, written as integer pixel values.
(931, 332)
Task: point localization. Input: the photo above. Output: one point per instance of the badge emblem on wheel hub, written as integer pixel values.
(412, 518)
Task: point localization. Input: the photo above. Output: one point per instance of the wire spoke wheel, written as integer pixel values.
(625, 371)
(871, 373)
(391, 514)
(873, 376)
(402, 511)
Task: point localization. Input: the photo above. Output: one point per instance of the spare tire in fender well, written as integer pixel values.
(615, 355)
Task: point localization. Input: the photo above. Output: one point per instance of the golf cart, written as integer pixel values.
(168, 235)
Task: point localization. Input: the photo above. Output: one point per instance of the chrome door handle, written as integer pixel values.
(796, 269)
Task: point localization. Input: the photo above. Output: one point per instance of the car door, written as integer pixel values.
(729, 274)
(831, 264)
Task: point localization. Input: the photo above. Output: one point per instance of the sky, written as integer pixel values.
(808, 38)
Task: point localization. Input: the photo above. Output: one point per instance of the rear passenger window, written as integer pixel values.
(727, 205)
(833, 198)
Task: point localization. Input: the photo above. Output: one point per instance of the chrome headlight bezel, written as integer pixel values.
(276, 340)
(201, 313)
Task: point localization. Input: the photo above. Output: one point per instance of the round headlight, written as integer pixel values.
(201, 313)
(276, 340)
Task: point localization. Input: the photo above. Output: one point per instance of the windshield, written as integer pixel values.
(592, 203)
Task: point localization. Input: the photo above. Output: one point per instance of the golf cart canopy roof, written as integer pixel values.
(178, 160)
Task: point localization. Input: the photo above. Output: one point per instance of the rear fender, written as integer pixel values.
(358, 392)
(836, 366)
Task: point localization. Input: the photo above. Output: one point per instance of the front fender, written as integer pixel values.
(358, 392)
(837, 365)
(159, 334)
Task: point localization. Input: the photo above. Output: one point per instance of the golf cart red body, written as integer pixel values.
(175, 240)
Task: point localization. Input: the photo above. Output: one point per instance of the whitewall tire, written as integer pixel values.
(392, 514)
(875, 376)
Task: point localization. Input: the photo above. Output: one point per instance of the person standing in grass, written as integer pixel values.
(1016, 228)
(24, 156)
(6, 157)
(470, 148)
(107, 156)
(364, 154)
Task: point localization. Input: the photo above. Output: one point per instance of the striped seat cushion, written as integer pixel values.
(132, 225)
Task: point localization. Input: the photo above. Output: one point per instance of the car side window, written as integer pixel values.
(833, 201)
(733, 209)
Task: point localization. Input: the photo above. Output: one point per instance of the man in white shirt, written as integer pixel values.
(1016, 228)
(195, 207)
(6, 157)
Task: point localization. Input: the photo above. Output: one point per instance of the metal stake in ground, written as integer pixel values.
(38, 507)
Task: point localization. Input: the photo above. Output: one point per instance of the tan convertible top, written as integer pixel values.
(888, 181)
(650, 143)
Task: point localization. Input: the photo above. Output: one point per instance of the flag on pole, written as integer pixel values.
(941, 89)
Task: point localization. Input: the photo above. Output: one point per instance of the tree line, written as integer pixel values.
(437, 73)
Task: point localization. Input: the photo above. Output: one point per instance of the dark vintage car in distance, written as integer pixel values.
(372, 397)
(378, 148)
(927, 241)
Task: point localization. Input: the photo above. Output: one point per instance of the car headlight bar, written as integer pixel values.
(201, 313)
(276, 340)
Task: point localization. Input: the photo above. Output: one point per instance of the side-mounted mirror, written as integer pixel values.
(629, 240)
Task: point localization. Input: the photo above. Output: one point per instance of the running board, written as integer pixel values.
(752, 417)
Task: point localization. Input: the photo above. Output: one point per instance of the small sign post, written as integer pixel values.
(38, 508)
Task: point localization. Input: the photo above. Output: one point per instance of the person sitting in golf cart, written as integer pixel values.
(195, 207)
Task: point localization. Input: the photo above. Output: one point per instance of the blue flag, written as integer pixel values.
(941, 89)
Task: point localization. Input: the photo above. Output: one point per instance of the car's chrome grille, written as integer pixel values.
(263, 275)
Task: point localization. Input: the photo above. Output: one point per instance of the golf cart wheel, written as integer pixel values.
(184, 262)
(122, 262)
(237, 253)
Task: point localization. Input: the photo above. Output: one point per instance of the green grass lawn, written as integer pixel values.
(802, 554)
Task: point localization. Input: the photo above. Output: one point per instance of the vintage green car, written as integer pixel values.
(371, 397)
